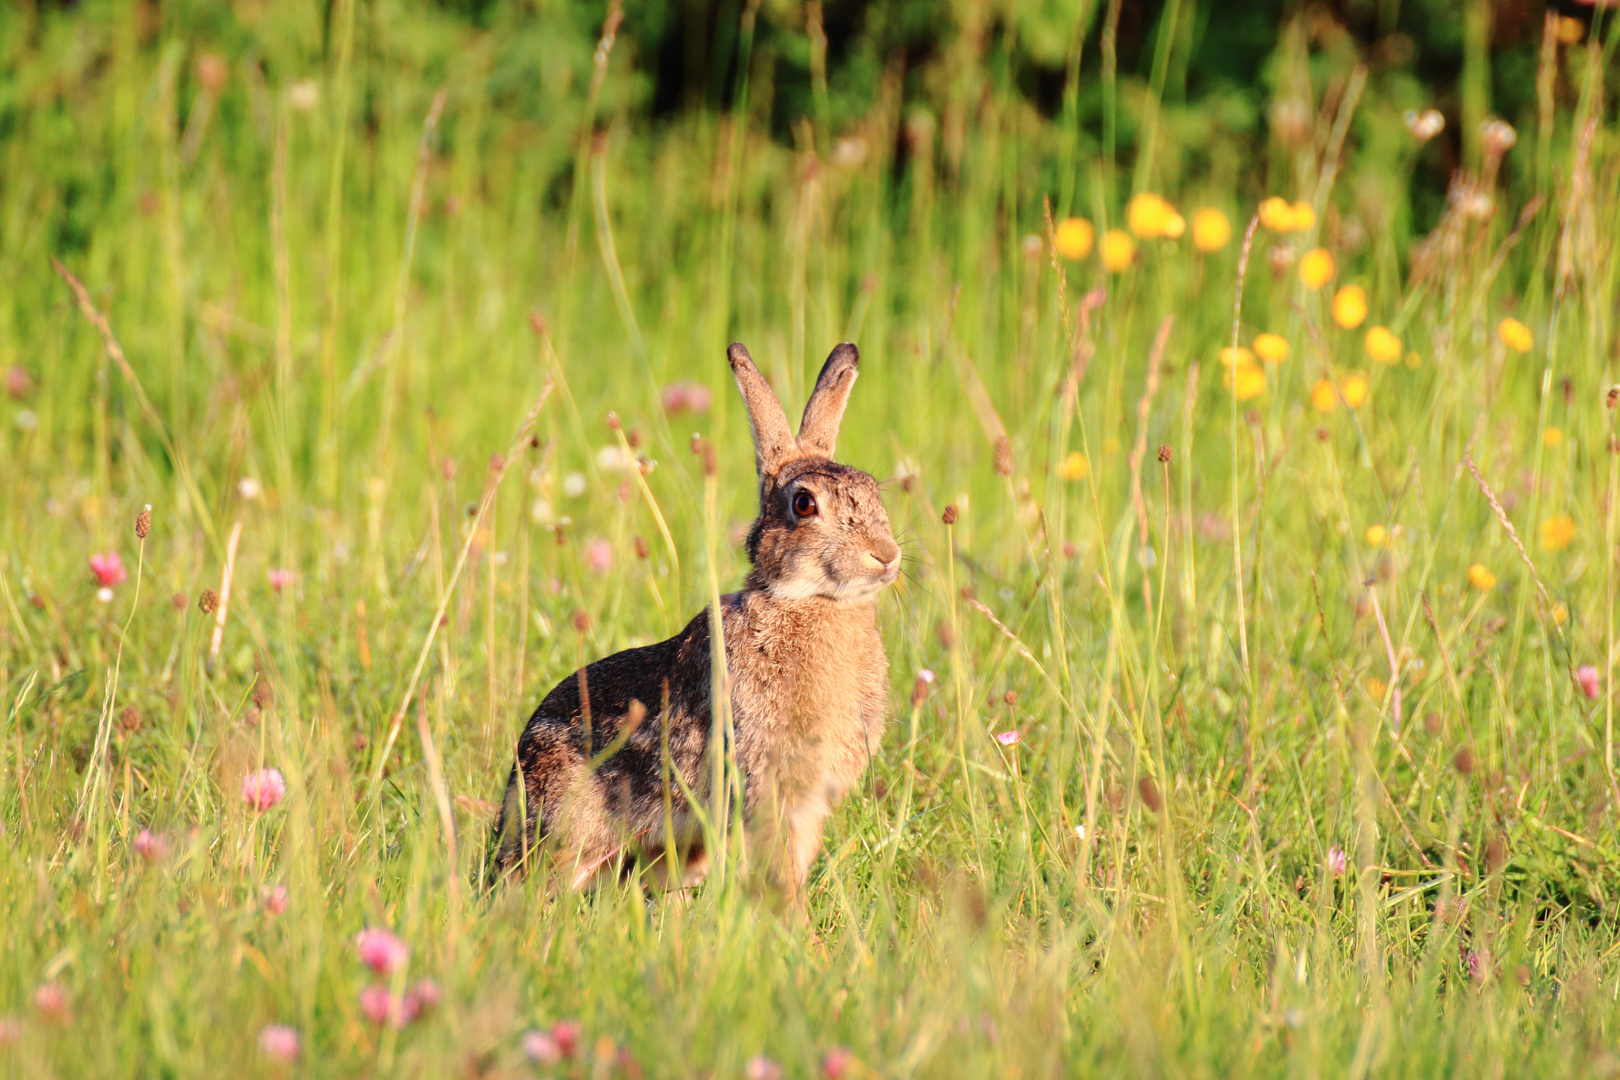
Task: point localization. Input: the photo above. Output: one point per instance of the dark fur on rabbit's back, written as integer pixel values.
(630, 781)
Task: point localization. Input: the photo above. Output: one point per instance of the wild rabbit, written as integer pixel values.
(610, 764)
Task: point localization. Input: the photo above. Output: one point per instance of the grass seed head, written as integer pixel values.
(143, 522)
(950, 515)
(208, 602)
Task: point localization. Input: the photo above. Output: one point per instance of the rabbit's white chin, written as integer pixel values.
(822, 585)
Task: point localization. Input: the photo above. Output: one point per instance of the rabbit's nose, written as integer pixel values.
(885, 551)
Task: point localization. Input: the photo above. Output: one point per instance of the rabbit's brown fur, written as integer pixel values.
(809, 678)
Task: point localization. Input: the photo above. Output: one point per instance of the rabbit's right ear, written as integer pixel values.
(773, 439)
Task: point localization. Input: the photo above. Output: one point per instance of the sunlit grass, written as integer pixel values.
(1267, 723)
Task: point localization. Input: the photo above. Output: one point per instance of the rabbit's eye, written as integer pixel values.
(804, 504)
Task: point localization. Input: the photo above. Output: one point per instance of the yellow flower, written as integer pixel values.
(1324, 396)
(1276, 214)
(1350, 306)
(1271, 348)
(1118, 249)
(1150, 217)
(1211, 230)
(1560, 613)
(1316, 268)
(1236, 358)
(1383, 346)
(1552, 438)
(1515, 335)
(1481, 578)
(1376, 535)
(1377, 688)
(1354, 389)
(1414, 361)
(1304, 217)
(1570, 30)
(1247, 381)
(1074, 238)
(1556, 532)
(1074, 466)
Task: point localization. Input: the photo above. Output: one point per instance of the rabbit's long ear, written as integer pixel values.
(773, 439)
(818, 432)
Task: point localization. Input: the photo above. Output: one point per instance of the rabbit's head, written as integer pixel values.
(821, 530)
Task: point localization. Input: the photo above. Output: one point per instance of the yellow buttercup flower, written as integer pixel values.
(1211, 231)
(1414, 361)
(1074, 466)
(1236, 358)
(1150, 217)
(1556, 532)
(1316, 268)
(1383, 346)
(1481, 578)
(1552, 438)
(1271, 348)
(1376, 535)
(1074, 238)
(1515, 335)
(1247, 381)
(1354, 389)
(1350, 306)
(1324, 396)
(1303, 216)
(1118, 249)
(1377, 688)
(1277, 215)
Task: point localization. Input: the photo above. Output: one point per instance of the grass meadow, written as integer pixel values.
(1270, 728)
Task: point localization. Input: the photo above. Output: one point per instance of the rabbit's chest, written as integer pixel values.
(809, 700)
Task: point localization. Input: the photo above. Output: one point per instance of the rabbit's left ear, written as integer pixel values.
(818, 432)
(773, 439)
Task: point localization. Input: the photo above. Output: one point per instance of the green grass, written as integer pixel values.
(1144, 884)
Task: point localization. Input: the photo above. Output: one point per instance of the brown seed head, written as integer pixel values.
(497, 464)
(179, 600)
(1463, 762)
(613, 421)
(582, 620)
(950, 515)
(1010, 697)
(1164, 454)
(1323, 435)
(634, 438)
(261, 691)
(208, 602)
(1004, 456)
(642, 549)
(130, 719)
(947, 636)
(1431, 723)
(1612, 398)
(919, 691)
(709, 465)
(143, 522)
(1149, 791)
(212, 72)
(1496, 853)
